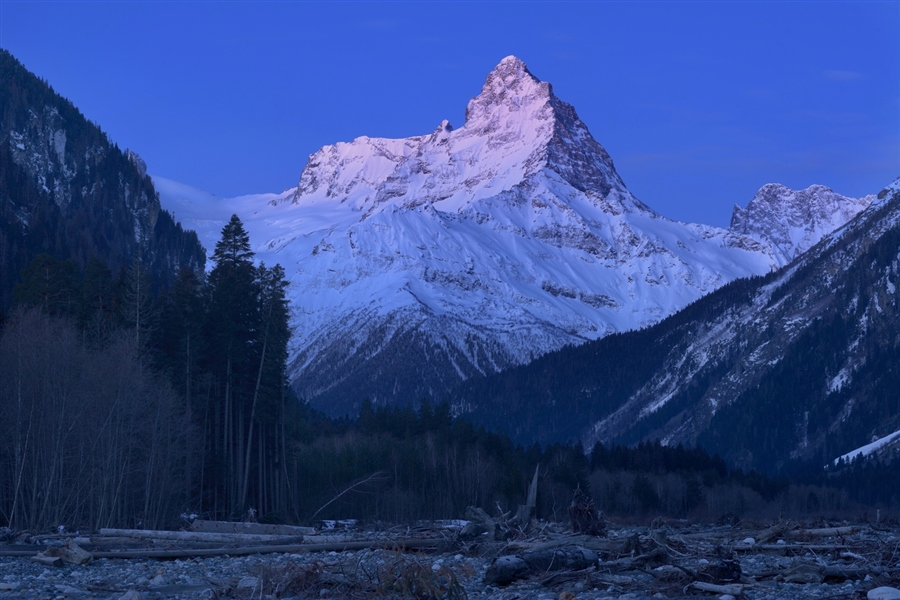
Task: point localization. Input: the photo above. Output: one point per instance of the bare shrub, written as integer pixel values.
(90, 437)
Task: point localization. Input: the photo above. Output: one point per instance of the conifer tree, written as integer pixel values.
(233, 328)
(266, 407)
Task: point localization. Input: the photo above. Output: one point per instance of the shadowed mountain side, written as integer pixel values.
(66, 190)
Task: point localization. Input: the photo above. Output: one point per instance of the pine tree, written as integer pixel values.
(233, 329)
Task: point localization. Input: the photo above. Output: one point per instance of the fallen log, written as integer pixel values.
(48, 561)
(802, 573)
(826, 531)
(506, 569)
(790, 547)
(200, 536)
(173, 553)
(399, 545)
(732, 589)
(585, 541)
(631, 563)
(781, 530)
(201, 525)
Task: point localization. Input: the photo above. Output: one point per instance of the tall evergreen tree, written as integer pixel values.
(267, 406)
(233, 328)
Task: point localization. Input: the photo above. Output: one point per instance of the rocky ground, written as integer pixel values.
(781, 561)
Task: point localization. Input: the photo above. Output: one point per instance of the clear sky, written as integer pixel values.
(699, 103)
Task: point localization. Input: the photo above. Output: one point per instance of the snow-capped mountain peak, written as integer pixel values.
(419, 262)
(511, 98)
(792, 221)
(515, 128)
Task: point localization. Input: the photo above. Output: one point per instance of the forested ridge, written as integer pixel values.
(769, 381)
(68, 191)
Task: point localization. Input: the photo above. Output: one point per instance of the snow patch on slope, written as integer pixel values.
(868, 449)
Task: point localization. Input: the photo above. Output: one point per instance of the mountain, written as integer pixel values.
(67, 191)
(799, 365)
(792, 221)
(418, 263)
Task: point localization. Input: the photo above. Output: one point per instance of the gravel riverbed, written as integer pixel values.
(457, 569)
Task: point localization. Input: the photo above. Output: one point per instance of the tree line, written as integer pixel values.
(127, 403)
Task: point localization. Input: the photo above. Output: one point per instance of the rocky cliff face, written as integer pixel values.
(66, 190)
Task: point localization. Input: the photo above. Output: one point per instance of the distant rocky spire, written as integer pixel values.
(792, 221)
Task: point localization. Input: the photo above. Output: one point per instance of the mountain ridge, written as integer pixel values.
(797, 365)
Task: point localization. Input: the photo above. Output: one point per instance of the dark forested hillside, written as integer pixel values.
(556, 397)
(800, 365)
(67, 191)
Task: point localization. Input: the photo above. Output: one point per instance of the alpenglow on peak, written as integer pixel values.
(509, 84)
(515, 129)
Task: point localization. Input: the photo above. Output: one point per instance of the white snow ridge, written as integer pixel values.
(416, 263)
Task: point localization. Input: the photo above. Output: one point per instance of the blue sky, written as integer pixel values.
(698, 103)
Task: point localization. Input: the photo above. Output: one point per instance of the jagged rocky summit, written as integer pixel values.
(417, 263)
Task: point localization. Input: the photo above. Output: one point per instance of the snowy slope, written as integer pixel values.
(418, 262)
(796, 366)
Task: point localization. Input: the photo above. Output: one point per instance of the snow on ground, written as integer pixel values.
(869, 448)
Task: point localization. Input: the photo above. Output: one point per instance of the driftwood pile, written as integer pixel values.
(667, 559)
(205, 538)
(698, 560)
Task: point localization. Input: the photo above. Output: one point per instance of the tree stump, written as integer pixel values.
(584, 515)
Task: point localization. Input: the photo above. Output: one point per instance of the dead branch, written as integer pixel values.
(377, 475)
